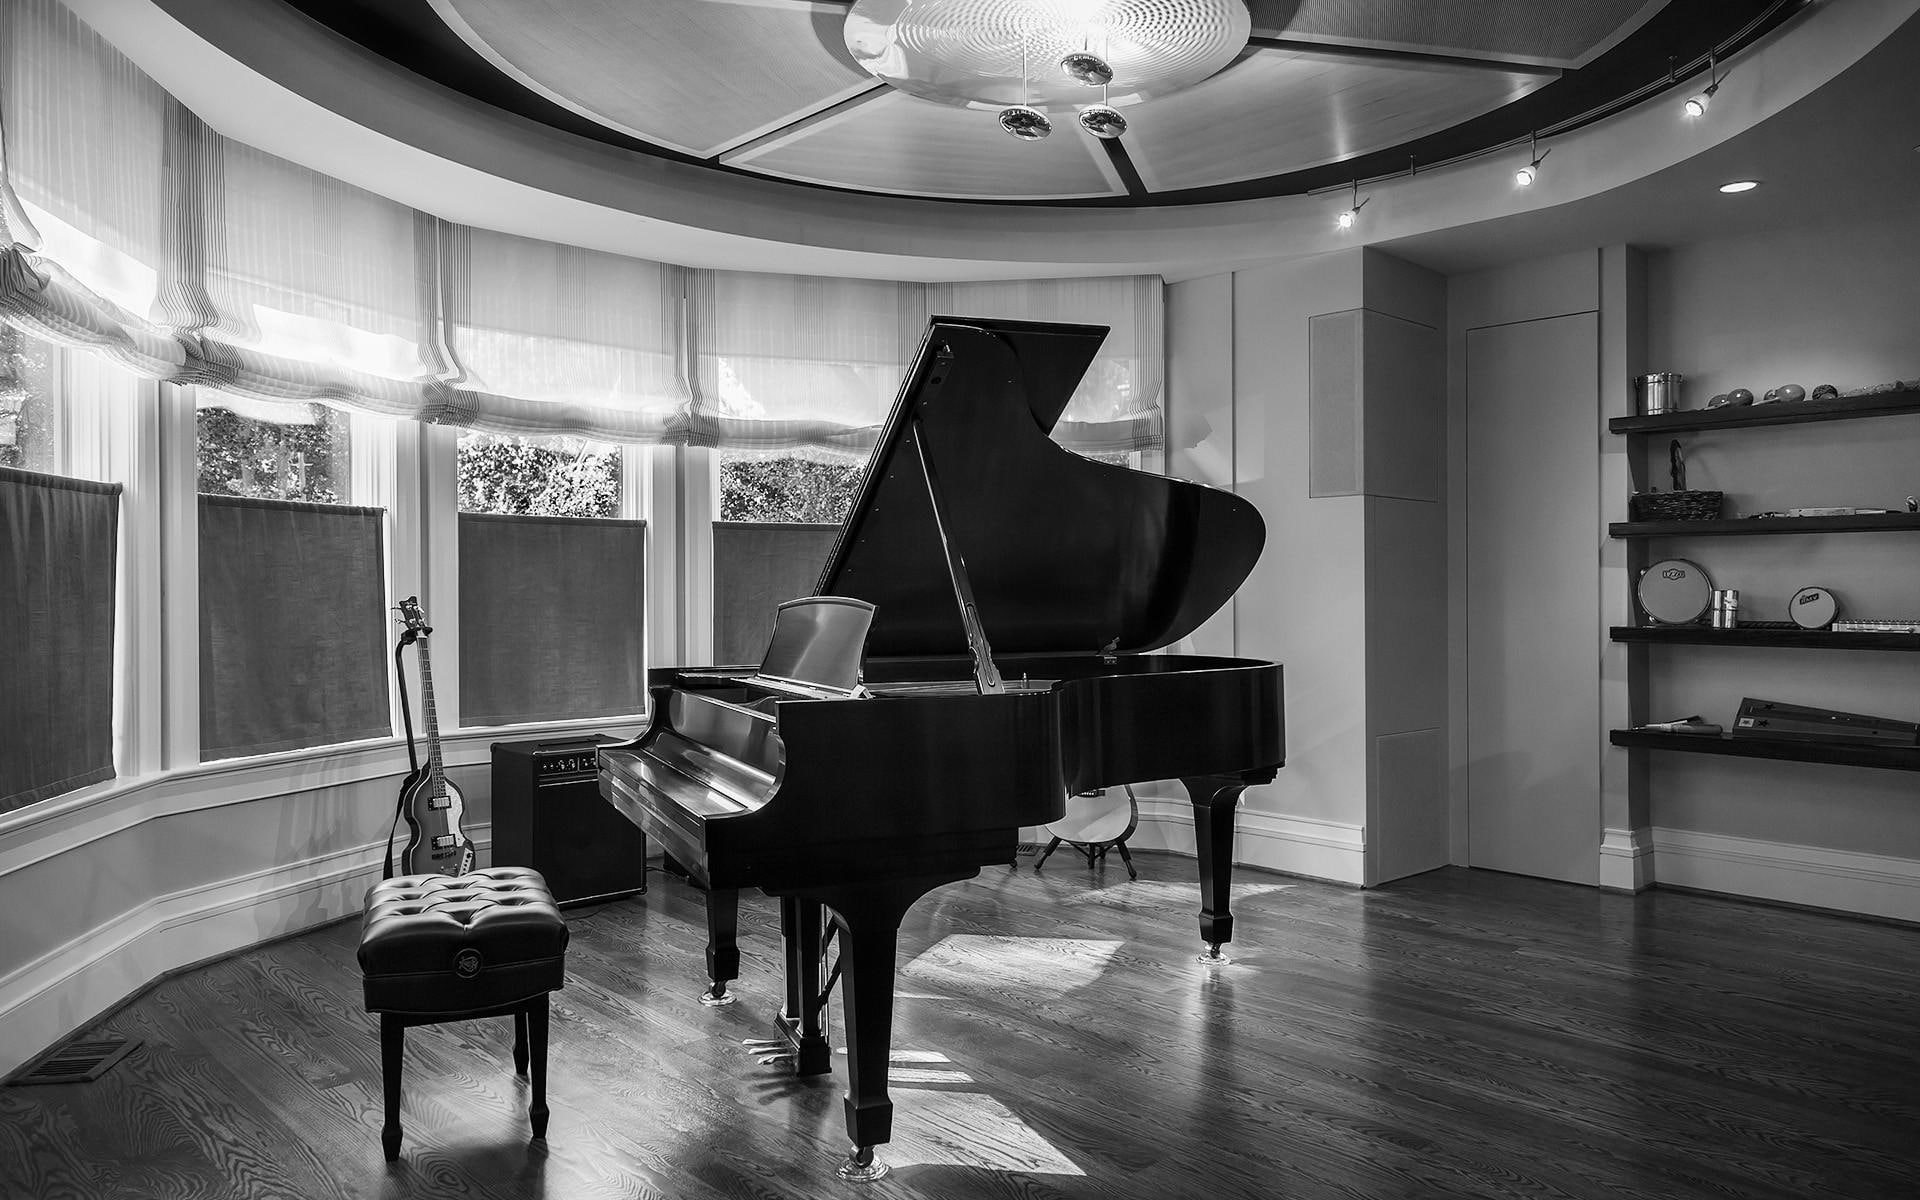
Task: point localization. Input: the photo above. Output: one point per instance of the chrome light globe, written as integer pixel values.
(1102, 121)
(1089, 69)
(1027, 124)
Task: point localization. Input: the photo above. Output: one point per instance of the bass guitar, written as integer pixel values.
(432, 805)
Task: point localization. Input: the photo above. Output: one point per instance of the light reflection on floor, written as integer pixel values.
(967, 1129)
(1166, 894)
(1035, 966)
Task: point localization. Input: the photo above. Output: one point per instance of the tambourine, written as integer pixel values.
(1674, 591)
(1813, 607)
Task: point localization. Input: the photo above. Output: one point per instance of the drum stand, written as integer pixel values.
(1096, 852)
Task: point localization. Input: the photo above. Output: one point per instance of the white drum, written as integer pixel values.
(1813, 607)
(1094, 820)
(1675, 591)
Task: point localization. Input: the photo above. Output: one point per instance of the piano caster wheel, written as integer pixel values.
(716, 996)
(861, 1166)
(1213, 957)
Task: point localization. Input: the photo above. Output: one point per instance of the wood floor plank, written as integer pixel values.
(1458, 1034)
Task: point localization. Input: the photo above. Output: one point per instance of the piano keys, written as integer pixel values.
(1010, 594)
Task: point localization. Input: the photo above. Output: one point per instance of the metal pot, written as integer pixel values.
(1657, 393)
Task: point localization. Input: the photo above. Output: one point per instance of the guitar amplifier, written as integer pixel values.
(548, 814)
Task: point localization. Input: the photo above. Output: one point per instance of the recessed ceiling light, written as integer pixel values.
(1740, 185)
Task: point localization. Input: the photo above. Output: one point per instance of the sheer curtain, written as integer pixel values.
(557, 339)
(127, 225)
(786, 361)
(1117, 406)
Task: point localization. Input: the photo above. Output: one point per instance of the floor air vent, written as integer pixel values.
(75, 1062)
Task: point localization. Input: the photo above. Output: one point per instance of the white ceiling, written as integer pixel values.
(1814, 110)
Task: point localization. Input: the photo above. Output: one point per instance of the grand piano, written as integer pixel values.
(1009, 593)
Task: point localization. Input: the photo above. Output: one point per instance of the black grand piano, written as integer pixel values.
(1011, 593)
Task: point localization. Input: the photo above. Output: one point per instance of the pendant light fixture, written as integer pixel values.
(1022, 120)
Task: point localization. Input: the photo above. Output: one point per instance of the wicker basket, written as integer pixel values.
(1675, 506)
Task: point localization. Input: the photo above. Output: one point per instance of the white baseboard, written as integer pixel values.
(1291, 845)
(1847, 880)
(1626, 859)
(69, 988)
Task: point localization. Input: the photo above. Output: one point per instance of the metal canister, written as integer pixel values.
(1657, 393)
(1726, 608)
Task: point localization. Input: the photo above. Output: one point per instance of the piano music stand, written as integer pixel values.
(1096, 851)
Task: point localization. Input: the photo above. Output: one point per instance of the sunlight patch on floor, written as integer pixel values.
(1168, 894)
(967, 1129)
(1043, 966)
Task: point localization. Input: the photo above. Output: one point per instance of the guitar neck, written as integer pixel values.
(434, 768)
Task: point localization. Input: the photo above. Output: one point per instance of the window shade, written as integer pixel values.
(57, 544)
(756, 568)
(293, 626)
(551, 622)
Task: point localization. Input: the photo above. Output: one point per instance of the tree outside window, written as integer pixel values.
(545, 477)
(29, 402)
(273, 451)
(788, 488)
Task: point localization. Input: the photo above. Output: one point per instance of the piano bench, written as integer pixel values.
(437, 948)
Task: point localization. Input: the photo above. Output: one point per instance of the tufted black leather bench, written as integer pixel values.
(439, 948)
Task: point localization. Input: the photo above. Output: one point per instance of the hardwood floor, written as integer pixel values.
(1462, 1033)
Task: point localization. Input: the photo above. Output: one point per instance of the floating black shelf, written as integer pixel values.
(1892, 758)
(1864, 523)
(1823, 639)
(1901, 400)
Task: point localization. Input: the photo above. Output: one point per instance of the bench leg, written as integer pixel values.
(520, 1042)
(393, 1046)
(536, 1019)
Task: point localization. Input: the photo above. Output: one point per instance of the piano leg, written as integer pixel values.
(868, 917)
(723, 944)
(1216, 799)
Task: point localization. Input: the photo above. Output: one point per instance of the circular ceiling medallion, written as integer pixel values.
(993, 53)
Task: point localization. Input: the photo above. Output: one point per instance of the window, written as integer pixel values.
(549, 477)
(552, 580)
(293, 598)
(779, 515)
(30, 423)
(269, 451)
(59, 541)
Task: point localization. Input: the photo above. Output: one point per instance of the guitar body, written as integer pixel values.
(434, 809)
(432, 805)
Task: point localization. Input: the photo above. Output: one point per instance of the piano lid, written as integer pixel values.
(1063, 554)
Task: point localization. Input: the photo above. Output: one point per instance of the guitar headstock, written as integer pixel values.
(416, 620)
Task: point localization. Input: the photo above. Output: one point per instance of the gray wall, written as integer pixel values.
(1807, 306)
(1316, 389)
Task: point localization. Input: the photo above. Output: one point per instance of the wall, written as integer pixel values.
(1812, 305)
(1806, 305)
(1314, 388)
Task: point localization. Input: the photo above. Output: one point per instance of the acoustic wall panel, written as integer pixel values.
(1334, 406)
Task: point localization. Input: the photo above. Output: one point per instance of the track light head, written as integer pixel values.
(1346, 219)
(1525, 176)
(1696, 105)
